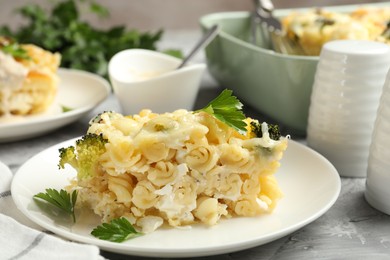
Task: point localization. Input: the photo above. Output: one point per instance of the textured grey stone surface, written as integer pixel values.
(350, 229)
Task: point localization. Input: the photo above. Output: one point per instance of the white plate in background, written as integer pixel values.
(309, 182)
(79, 90)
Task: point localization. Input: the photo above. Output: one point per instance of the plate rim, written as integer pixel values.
(185, 252)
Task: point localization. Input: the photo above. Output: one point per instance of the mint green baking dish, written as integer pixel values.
(278, 86)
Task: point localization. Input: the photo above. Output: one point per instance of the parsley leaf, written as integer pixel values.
(228, 109)
(81, 45)
(12, 48)
(66, 109)
(60, 199)
(118, 230)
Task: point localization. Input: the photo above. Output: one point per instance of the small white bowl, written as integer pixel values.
(144, 79)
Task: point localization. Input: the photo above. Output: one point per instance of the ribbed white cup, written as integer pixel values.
(345, 98)
(378, 172)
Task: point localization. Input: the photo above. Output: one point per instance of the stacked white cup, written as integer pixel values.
(345, 98)
(378, 173)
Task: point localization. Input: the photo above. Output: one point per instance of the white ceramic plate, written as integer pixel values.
(310, 184)
(79, 90)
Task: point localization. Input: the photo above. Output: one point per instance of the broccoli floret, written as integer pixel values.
(255, 128)
(84, 156)
(273, 130)
(67, 155)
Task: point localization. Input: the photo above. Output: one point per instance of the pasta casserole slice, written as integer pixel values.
(175, 168)
(313, 28)
(28, 78)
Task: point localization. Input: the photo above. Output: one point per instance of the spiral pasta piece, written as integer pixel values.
(248, 205)
(238, 159)
(209, 210)
(162, 173)
(270, 190)
(122, 187)
(152, 149)
(144, 196)
(251, 185)
(201, 158)
(185, 191)
(121, 157)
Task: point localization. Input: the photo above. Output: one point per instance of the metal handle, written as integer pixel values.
(204, 41)
(266, 5)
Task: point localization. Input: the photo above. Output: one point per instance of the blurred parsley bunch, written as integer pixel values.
(81, 46)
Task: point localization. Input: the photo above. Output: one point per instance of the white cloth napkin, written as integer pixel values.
(22, 239)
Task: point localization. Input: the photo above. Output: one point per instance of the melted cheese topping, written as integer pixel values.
(180, 168)
(314, 28)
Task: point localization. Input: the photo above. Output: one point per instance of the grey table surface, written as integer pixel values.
(350, 229)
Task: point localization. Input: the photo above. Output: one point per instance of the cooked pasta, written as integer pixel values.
(162, 173)
(28, 85)
(313, 28)
(122, 187)
(180, 168)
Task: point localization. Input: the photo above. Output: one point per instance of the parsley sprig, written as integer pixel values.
(118, 230)
(60, 199)
(228, 109)
(62, 29)
(16, 51)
